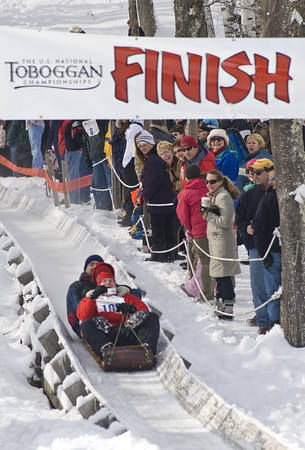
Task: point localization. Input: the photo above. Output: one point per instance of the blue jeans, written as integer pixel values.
(272, 279)
(35, 135)
(14, 159)
(73, 159)
(259, 291)
(101, 179)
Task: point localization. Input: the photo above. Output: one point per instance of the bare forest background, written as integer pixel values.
(254, 19)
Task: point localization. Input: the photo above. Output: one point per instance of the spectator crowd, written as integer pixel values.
(197, 196)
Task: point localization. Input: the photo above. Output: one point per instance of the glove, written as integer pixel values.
(102, 324)
(89, 293)
(126, 308)
(214, 209)
(136, 319)
(267, 262)
(99, 290)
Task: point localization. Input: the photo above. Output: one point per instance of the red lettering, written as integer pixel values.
(241, 88)
(123, 71)
(212, 73)
(172, 73)
(262, 77)
(151, 72)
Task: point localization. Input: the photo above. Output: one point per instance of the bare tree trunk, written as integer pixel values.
(181, 10)
(288, 152)
(289, 160)
(231, 19)
(133, 14)
(147, 17)
(198, 26)
(209, 19)
(248, 26)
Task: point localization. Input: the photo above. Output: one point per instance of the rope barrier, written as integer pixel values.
(121, 181)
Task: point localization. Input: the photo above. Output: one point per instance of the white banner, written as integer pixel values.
(52, 75)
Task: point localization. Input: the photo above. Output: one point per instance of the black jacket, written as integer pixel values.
(267, 218)
(245, 213)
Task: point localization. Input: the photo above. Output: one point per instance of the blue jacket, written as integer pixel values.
(227, 163)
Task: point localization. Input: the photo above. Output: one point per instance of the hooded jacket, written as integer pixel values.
(188, 208)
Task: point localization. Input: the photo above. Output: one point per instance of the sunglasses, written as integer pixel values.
(216, 139)
(178, 151)
(211, 181)
(249, 171)
(258, 172)
(186, 149)
(175, 134)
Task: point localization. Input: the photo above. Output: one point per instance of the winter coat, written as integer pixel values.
(267, 218)
(135, 127)
(76, 292)
(227, 163)
(204, 159)
(188, 208)
(73, 138)
(94, 144)
(174, 170)
(161, 133)
(17, 134)
(245, 212)
(242, 178)
(221, 236)
(157, 187)
(105, 306)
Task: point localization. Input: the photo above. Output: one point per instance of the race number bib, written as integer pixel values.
(108, 304)
(91, 127)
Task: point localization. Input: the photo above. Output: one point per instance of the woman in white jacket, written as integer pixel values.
(222, 239)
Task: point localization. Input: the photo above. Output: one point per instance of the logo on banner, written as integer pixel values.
(71, 74)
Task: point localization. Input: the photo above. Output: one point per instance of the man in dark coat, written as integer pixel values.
(245, 212)
(266, 219)
(78, 289)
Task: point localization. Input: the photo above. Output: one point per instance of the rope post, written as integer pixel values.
(51, 173)
(64, 165)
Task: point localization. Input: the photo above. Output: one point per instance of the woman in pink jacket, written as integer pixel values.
(188, 211)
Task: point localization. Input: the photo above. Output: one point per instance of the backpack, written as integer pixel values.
(237, 143)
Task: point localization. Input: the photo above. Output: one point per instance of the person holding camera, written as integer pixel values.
(110, 314)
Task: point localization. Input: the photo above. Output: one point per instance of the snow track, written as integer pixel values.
(148, 403)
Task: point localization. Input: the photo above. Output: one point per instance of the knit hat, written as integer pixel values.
(188, 141)
(146, 137)
(76, 29)
(250, 163)
(218, 132)
(102, 275)
(102, 267)
(92, 258)
(262, 163)
(192, 171)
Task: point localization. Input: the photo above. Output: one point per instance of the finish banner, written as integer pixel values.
(56, 75)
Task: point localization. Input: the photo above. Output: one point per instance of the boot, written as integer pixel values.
(224, 306)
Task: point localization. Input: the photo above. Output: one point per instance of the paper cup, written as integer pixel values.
(205, 202)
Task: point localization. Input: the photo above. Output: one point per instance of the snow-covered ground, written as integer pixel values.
(261, 375)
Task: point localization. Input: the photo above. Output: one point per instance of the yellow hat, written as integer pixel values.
(260, 164)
